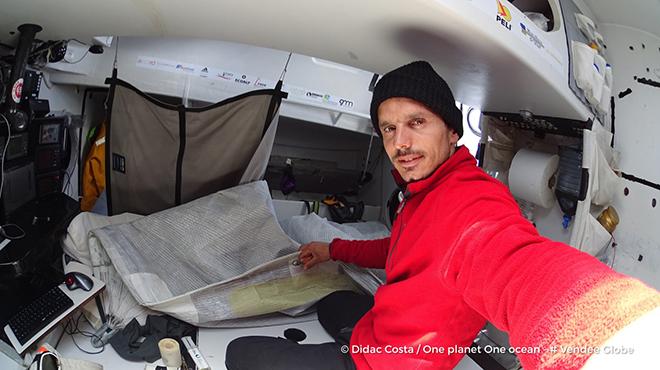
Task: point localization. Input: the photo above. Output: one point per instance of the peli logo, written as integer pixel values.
(503, 15)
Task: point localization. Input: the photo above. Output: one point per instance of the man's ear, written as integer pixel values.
(453, 138)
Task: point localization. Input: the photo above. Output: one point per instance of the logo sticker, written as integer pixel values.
(151, 62)
(260, 83)
(226, 75)
(345, 103)
(503, 15)
(185, 68)
(243, 80)
(314, 95)
(17, 90)
(532, 37)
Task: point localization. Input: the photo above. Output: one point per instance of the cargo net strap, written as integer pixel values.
(161, 155)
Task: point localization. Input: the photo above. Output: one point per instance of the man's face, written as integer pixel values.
(417, 140)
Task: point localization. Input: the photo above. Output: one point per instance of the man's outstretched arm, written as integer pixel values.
(364, 253)
(546, 294)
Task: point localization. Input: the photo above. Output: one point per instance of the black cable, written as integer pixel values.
(65, 182)
(85, 351)
(44, 47)
(68, 181)
(81, 58)
(50, 45)
(613, 115)
(80, 144)
(3, 232)
(4, 154)
(76, 330)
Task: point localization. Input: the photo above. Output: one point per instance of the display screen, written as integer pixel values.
(50, 133)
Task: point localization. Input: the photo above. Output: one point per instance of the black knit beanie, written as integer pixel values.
(418, 81)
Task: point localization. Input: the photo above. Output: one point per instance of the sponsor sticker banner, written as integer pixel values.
(320, 97)
(204, 71)
(244, 80)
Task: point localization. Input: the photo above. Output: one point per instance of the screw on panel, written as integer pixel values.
(626, 191)
(631, 47)
(640, 258)
(653, 203)
(643, 46)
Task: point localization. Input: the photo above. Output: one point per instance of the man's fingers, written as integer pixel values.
(309, 255)
(309, 263)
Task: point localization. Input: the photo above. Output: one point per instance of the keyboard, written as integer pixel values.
(39, 313)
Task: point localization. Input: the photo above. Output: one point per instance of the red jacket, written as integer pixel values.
(460, 253)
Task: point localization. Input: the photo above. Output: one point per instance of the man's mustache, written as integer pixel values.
(401, 153)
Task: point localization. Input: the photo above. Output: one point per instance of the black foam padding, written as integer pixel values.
(295, 335)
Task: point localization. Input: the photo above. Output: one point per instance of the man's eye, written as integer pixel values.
(388, 129)
(417, 122)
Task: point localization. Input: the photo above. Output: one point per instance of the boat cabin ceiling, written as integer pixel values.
(462, 39)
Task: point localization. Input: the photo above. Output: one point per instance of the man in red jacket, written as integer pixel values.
(460, 253)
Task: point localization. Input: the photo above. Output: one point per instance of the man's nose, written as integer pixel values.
(402, 139)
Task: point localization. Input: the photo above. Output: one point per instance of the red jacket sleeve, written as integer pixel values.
(546, 294)
(364, 253)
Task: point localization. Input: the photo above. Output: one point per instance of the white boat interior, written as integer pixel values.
(548, 76)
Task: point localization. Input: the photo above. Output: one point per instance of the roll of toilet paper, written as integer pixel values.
(531, 176)
(170, 352)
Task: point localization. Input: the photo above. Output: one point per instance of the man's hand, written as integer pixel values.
(314, 253)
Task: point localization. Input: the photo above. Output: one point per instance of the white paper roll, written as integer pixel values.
(169, 352)
(530, 175)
